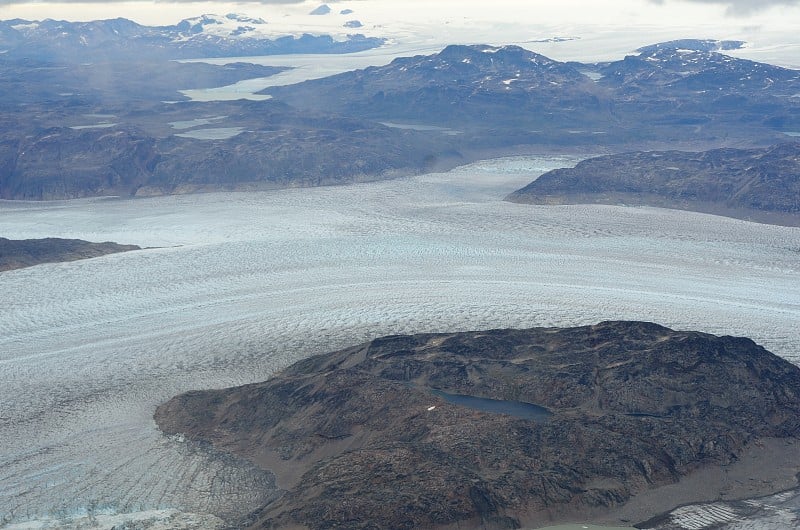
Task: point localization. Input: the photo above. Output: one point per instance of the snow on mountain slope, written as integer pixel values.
(208, 35)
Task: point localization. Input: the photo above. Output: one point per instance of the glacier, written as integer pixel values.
(234, 286)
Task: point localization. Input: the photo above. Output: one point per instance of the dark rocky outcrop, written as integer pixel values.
(359, 440)
(757, 184)
(16, 254)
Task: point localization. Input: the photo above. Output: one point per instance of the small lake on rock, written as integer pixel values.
(216, 133)
(519, 409)
(421, 127)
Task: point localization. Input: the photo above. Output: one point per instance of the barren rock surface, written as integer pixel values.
(15, 254)
(359, 439)
(756, 184)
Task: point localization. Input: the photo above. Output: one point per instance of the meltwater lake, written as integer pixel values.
(518, 409)
(238, 285)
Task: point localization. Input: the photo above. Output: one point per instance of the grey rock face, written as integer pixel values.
(763, 184)
(634, 406)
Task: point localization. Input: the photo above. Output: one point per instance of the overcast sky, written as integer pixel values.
(742, 7)
(736, 7)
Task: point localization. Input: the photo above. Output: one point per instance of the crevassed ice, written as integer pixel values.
(243, 284)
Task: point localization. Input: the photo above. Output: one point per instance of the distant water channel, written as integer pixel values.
(519, 409)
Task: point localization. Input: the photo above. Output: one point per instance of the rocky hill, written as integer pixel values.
(484, 97)
(679, 91)
(672, 85)
(495, 429)
(459, 85)
(757, 184)
(16, 254)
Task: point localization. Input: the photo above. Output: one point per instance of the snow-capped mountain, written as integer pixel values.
(204, 36)
(230, 25)
(696, 66)
(667, 90)
(460, 83)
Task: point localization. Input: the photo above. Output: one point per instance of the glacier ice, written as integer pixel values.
(235, 286)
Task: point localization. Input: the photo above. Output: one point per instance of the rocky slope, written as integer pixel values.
(16, 254)
(491, 95)
(390, 434)
(671, 92)
(757, 184)
(264, 144)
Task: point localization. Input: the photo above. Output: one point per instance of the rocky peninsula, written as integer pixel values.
(19, 253)
(755, 184)
(507, 428)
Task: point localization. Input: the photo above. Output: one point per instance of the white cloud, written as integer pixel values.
(741, 7)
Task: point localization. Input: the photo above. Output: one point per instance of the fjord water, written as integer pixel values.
(242, 284)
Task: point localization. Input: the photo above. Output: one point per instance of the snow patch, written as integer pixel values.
(26, 27)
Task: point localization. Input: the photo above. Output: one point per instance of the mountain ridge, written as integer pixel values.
(231, 35)
(514, 96)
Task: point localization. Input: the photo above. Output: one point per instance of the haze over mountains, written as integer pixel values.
(413, 115)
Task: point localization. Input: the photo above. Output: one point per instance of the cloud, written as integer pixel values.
(741, 7)
(190, 1)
